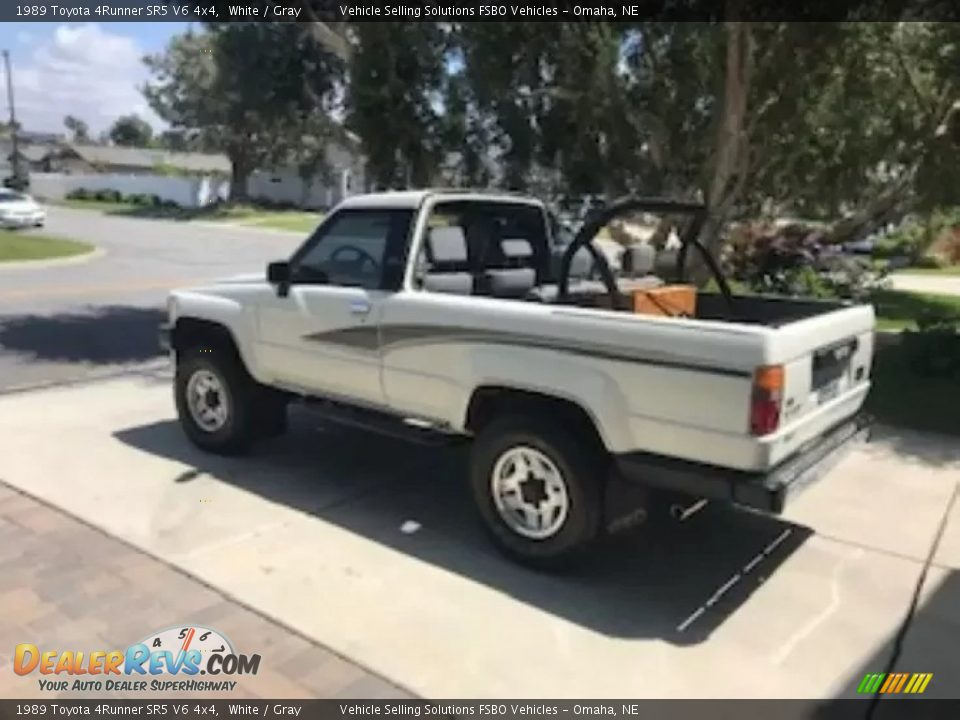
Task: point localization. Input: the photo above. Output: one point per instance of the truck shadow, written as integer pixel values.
(102, 335)
(668, 580)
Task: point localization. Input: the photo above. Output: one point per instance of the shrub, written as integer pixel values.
(143, 200)
(795, 260)
(936, 235)
(79, 194)
(910, 240)
(930, 262)
(18, 183)
(107, 195)
(946, 247)
(934, 351)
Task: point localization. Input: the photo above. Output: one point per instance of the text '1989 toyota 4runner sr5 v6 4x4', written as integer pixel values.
(450, 314)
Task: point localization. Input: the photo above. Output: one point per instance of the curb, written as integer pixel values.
(251, 228)
(97, 252)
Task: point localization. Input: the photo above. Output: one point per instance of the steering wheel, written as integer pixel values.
(362, 257)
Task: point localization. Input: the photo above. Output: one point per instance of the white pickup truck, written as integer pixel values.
(448, 315)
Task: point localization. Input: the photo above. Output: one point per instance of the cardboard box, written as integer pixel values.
(667, 301)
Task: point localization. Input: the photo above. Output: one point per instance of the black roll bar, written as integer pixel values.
(597, 220)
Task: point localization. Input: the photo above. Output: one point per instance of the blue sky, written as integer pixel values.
(89, 70)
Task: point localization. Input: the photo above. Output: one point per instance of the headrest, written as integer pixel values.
(447, 244)
(516, 248)
(640, 258)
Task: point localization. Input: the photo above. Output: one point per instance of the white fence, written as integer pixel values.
(187, 192)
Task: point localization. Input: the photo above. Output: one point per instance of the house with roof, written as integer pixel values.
(32, 152)
(342, 175)
(181, 177)
(72, 158)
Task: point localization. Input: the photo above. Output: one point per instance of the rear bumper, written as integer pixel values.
(766, 491)
(22, 221)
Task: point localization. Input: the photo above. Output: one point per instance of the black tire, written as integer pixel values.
(240, 428)
(583, 467)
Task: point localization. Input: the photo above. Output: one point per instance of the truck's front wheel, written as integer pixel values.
(214, 397)
(538, 488)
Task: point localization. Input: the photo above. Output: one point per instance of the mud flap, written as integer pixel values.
(625, 503)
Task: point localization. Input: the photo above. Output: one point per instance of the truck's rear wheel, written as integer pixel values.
(214, 396)
(538, 488)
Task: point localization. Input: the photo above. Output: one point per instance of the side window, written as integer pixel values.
(356, 248)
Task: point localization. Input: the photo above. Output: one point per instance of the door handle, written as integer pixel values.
(359, 307)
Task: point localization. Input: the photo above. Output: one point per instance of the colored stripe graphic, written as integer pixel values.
(890, 681)
(894, 683)
(871, 683)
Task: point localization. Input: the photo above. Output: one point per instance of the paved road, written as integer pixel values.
(942, 284)
(74, 320)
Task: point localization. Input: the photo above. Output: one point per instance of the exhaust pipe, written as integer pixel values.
(681, 513)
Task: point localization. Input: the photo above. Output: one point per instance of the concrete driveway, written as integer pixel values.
(371, 548)
(74, 320)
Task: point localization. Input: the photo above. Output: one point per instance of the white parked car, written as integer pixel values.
(19, 210)
(439, 316)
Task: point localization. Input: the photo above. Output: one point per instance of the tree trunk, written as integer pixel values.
(239, 175)
(730, 156)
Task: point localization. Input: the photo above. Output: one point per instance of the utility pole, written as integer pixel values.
(13, 116)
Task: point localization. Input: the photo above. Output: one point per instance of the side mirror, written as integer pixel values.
(278, 273)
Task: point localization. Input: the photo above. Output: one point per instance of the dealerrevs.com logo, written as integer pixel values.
(182, 651)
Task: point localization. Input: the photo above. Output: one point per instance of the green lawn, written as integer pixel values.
(292, 220)
(247, 215)
(104, 205)
(21, 245)
(899, 309)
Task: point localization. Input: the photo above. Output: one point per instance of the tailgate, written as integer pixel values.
(826, 361)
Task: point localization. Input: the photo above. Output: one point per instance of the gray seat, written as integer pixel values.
(581, 265)
(639, 259)
(447, 268)
(517, 278)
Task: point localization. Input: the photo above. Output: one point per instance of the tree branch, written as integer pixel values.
(330, 36)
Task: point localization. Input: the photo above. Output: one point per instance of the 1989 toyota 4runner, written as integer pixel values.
(448, 314)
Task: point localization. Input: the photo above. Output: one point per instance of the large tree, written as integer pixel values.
(131, 131)
(260, 92)
(852, 122)
(79, 130)
(394, 99)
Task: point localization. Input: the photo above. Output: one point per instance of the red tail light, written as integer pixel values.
(766, 400)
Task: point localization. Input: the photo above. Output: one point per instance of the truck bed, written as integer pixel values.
(763, 310)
